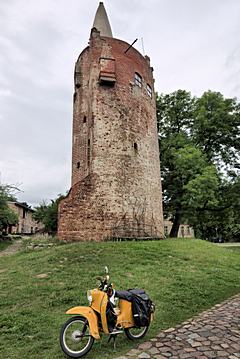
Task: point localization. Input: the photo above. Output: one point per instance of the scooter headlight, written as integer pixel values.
(89, 297)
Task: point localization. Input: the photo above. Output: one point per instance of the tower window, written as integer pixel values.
(74, 97)
(149, 90)
(182, 231)
(166, 230)
(107, 76)
(84, 119)
(138, 80)
(135, 146)
(78, 165)
(88, 152)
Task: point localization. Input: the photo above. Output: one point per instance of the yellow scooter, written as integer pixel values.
(132, 316)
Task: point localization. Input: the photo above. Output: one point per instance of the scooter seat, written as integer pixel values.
(129, 294)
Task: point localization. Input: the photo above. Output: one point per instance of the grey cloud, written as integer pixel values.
(192, 44)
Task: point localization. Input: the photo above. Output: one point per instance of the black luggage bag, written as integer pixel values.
(142, 307)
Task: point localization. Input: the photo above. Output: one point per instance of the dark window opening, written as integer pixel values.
(78, 164)
(107, 82)
(138, 80)
(78, 78)
(135, 147)
(149, 90)
(182, 231)
(88, 153)
(74, 97)
(166, 230)
(84, 119)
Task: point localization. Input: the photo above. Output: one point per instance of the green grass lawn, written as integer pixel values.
(183, 277)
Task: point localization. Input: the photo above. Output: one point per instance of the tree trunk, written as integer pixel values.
(176, 225)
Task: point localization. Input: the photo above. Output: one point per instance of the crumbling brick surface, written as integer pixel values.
(116, 183)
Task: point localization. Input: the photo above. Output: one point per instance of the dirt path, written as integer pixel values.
(11, 249)
(214, 334)
(229, 245)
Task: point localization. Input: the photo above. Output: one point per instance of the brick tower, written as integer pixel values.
(116, 183)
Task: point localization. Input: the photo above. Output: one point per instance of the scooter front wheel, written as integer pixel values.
(135, 333)
(75, 337)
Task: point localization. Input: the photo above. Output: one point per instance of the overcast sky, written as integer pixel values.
(193, 45)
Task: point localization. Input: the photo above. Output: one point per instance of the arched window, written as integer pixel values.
(149, 90)
(182, 231)
(166, 230)
(138, 80)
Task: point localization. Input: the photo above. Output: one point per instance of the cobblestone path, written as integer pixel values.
(13, 248)
(215, 333)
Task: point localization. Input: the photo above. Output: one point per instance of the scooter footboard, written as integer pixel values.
(89, 314)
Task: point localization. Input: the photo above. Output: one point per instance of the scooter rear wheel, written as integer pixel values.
(75, 337)
(136, 333)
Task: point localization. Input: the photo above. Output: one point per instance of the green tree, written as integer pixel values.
(175, 115)
(220, 219)
(7, 216)
(199, 137)
(48, 214)
(216, 129)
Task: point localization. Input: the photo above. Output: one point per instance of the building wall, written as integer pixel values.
(26, 223)
(116, 183)
(185, 231)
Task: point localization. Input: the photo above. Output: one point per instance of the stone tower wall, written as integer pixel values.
(116, 184)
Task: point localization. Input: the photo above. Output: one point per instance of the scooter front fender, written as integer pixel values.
(88, 313)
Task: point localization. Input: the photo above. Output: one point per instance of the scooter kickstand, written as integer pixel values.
(114, 340)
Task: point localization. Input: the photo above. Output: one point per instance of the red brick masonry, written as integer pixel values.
(116, 181)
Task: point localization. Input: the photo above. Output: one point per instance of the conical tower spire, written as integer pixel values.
(101, 22)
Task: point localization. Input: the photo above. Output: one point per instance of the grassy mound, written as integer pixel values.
(183, 277)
